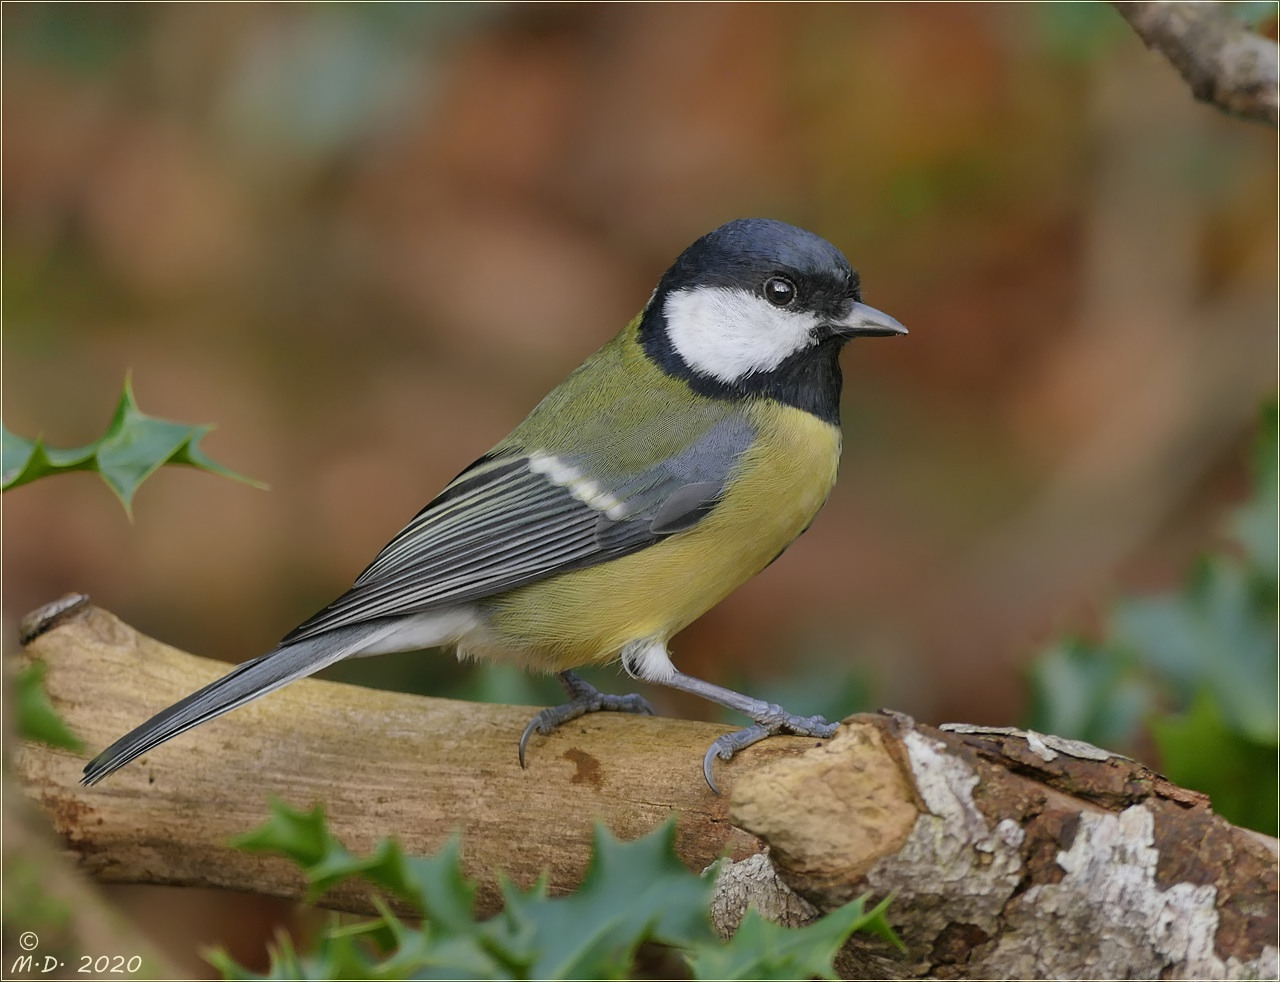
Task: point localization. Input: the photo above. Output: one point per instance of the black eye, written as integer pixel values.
(779, 290)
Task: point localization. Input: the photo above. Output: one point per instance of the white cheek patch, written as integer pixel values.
(729, 333)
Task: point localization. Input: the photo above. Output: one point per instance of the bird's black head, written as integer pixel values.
(760, 308)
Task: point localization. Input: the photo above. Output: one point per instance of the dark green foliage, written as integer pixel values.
(1218, 635)
(134, 447)
(1201, 750)
(37, 719)
(1090, 692)
(811, 687)
(763, 950)
(634, 892)
(1254, 526)
(1197, 667)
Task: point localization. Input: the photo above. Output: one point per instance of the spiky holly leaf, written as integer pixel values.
(37, 719)
(134, 447)
(634, 892)
(760, 949)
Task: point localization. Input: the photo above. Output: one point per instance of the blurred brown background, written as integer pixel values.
(366, 239)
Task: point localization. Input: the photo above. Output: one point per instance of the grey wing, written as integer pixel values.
(512, 519)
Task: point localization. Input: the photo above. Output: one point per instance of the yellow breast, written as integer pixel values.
(588, 615)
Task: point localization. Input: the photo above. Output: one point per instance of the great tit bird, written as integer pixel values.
(669, 468)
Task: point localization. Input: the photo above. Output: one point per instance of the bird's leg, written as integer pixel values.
(769, 718)
(583, 698)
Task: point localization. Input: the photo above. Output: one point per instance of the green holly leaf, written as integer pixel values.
(438, 887)
(431, 953)
(303, 836)
(633, 892)
(1207, 654)
(1089, 692)
(450, 947)
(37, 719)
(434, 884)
(134, 447)
(1215, 636)
(1159, 631)
(1254, 526)
(761, 949)
(1199, 749)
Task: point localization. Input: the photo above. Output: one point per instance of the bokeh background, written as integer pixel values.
(365, 240)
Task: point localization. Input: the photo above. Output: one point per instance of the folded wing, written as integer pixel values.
(514, 518)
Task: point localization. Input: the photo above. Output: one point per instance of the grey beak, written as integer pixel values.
(863, 321)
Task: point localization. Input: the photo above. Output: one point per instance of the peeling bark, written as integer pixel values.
(1028, 857)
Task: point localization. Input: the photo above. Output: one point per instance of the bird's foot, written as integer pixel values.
(583, 698)
(772, 721)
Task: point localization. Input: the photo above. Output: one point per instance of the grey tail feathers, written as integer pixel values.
(241, 685)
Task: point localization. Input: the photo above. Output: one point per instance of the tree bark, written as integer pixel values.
(1225, 64)
(1008, 854)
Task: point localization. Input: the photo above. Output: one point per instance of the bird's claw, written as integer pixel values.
(770, 723)
(585, 698)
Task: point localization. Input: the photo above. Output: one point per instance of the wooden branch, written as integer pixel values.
(1008, 854)
(383, 764)
(1015, 855)
(1224, 63)
(57, 916)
